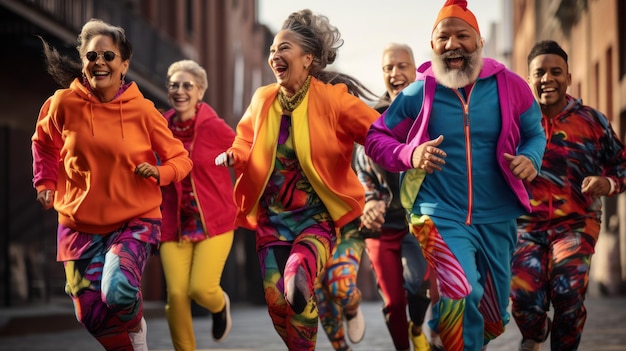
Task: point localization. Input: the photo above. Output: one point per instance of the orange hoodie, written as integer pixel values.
(324, 133)
(87, 151)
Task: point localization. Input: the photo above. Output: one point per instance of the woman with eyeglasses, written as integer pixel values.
(198, 212)
(95, 151)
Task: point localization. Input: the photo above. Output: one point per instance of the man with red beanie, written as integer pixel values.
(467, 135)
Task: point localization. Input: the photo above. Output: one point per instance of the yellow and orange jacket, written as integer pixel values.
(325, 127)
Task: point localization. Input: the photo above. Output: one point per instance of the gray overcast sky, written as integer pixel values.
(368, 25)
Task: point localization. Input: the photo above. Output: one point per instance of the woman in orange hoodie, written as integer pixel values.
(296, 187)
(94, 160)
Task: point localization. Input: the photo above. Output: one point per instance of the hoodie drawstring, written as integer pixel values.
(93, 133)
(121, 119)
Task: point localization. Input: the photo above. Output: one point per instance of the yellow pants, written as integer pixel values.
(193, 271)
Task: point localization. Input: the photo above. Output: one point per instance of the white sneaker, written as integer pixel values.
(529, 345)
(435, 342)
(356, 327)
(138, 339)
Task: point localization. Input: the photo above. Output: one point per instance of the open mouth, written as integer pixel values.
(100, 74)
(280, 70)
(454, 59)
(398, 86)
(548, 91)
(181, 100)
(455, 62)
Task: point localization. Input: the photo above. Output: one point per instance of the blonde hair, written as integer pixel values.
(191, 67)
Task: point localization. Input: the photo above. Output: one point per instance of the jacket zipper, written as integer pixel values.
(549, 128)
(468, 153)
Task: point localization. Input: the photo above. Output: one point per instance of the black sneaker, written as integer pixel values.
(222, 321)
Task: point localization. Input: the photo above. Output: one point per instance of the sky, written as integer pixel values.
(366, 26)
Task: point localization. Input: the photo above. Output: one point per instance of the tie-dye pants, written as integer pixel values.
(336, 290)
(105, 281)
(551, 267)
(289, 271)
(473, 268)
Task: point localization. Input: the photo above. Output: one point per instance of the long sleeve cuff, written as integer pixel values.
(613, 185)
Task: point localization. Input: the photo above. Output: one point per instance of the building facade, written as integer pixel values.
(223, 36)
(593, 33)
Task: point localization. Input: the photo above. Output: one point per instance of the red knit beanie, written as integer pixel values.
(458, 9)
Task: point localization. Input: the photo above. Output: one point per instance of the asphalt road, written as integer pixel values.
(252, 330)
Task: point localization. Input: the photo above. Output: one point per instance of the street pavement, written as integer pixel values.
(252, 329)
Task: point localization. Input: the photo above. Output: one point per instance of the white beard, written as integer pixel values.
(458, 78)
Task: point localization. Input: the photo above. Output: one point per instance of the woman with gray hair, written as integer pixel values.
(198, 212)
(95, 152)
(296, 186)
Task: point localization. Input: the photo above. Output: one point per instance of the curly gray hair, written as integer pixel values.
(316, 35)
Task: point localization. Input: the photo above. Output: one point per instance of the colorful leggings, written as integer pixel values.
(289, 273)
(337, 292)
(472, 264)
(106, 287)
(402, 276)
(551, 267)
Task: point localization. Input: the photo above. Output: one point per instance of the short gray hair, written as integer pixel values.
(191, 67)
(400, 47)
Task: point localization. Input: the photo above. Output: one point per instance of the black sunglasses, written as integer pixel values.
(174, 86)
(108, 56)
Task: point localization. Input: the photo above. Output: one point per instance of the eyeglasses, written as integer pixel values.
(174, 86)
(108, 56)
(401, 66)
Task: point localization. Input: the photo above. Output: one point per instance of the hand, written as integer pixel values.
(428, 157)
(225, 159)
(521, 167)
(147, 170)
(596, 186)
(45, 198)
(373, 215)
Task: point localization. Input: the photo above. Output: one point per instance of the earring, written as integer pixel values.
(122, 79)
(305, 67)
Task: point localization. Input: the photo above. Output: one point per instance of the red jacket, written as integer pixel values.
(212, 185)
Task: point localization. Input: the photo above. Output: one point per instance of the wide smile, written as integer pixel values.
(398, 85)
(454, 59)
(180, 100)
(280, 70)
(548, 91)
(100, 74)
(455, 62)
